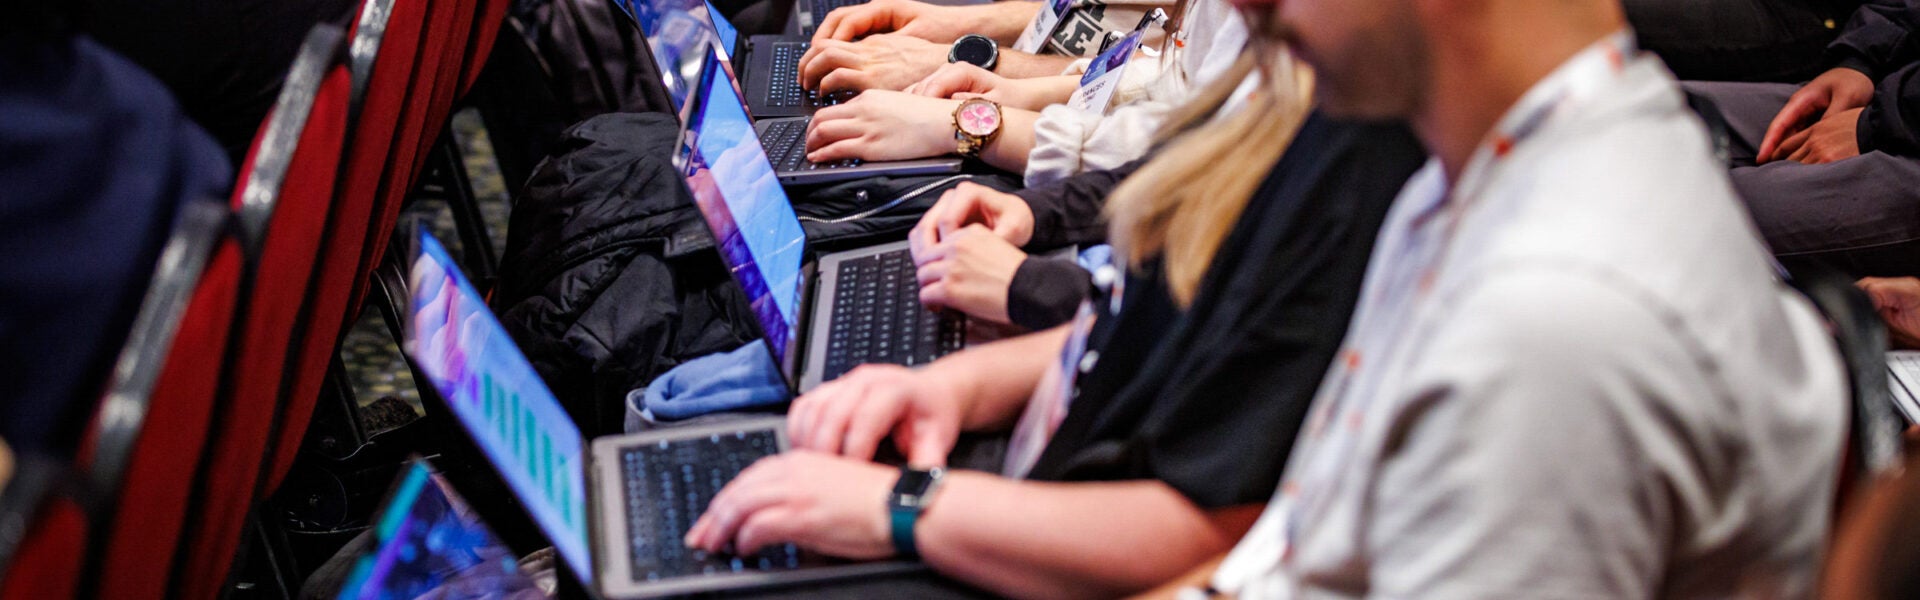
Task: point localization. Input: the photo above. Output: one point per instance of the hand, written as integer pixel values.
(931, 22)
(1836, 91)
(970, 203)
(849, 415)
(826, 504)
(1898, 301)
(1833, 138)
(962, 80)
(882, 125)
(970, 271)
(880, 62)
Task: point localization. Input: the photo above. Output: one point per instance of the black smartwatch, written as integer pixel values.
(910, 496)
(974, 48)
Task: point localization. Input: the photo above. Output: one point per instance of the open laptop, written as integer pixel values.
(615, 510)
(784, 140)
(678, 32)
(858, 306)
(426, 541)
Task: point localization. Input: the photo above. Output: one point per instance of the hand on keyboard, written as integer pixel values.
(827, 504)
(881, 62)
(882, 125)
(850, 415)
(969, 271)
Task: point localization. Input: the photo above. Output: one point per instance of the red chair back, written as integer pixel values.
(283, 201)
(148, 430)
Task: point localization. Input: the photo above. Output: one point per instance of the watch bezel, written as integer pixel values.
(960, 122)
(988, 47)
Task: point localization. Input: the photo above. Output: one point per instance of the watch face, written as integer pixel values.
(913, 482)
(974, 49)
(978, 117)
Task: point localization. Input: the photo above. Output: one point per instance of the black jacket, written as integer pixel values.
(1208, 399)
(1880, 41)
(1044, 292)
(609, 276)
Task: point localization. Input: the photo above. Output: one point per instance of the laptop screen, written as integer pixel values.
(678, 32)
(753, 226)
(427, 544)
(499, 399)
(729, 36)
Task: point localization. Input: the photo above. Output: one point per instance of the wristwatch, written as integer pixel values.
(978, 49)
(909, 498)
(975, 123)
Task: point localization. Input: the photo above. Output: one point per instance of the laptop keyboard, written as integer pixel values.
(786, 143)
(877, 317)
(820, 8)
(668, 486)
(783, 85)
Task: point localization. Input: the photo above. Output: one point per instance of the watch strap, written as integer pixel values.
(902, 520)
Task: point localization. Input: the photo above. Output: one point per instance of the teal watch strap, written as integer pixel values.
(903, 519)
(910, 496)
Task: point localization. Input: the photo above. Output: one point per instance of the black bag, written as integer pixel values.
(609, 276)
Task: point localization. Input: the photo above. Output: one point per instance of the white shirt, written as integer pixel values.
(1068, 141)
(1575, 376)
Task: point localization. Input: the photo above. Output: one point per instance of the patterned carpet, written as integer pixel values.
(382, 385)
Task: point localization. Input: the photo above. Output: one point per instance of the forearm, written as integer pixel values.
(1009, 150)
(1004, 20)
(999, 377)
(1037, 93)
(1039, 540)
(1021, 65)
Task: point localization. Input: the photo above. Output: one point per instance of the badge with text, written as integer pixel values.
(1042, 27)
(1103, 75)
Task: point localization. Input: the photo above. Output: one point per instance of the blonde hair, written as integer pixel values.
(1181, 205)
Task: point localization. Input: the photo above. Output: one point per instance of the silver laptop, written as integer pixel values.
(853, 307)
(615, 510)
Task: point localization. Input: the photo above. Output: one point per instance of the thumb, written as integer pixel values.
(927, 443)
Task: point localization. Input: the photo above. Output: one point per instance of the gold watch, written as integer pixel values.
(975, 123)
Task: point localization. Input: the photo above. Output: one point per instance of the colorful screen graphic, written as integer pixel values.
(427, 544)
(499, 399)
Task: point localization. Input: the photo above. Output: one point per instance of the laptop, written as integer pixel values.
(784, 140)
(678, 32)
(617, 509)
(819, 320)
(426, 540)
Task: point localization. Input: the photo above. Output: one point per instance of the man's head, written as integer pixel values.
(1385, 59)
(1369, 56)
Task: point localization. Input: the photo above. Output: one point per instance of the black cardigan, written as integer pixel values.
(1208, 399)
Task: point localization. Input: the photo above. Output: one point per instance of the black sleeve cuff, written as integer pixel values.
(1859, 63)
(1045, 292)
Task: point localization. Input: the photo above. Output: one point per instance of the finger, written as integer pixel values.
(926, 233)
(838, 151)
(964, 207)
(776, 525)
(932, 272)
(821, 133)
(831, 58)
(800, 417)
(1791, 145)
(845, 79)
(1796, 112)
(746, 494)
(834, 419)
(934, 295)
(1802, 152)
(929, 445)
(870, 423)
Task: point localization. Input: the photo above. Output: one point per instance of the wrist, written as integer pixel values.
(913, 494)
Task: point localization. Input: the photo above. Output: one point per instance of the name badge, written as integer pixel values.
(1103, 75)
(1043, 25)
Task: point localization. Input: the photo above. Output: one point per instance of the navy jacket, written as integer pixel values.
(97, 156)
(1879, 41)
